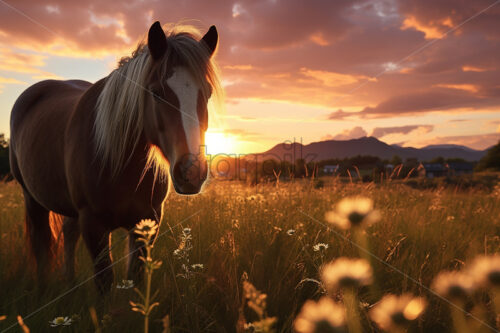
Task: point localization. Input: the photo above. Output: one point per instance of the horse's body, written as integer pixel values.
(55, 158)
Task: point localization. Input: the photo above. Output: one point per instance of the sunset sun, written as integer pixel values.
(218, 142)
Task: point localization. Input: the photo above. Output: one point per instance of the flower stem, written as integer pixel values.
(148, 288)
(351, 304)
(459, 320)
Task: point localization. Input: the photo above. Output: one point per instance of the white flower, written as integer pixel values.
(186, 231)
(345, 272)
(322, 316)
(290, 232)
(353, 212)
(60, 321)
(197, 266)
(396, 312)
(177, 252)
(320, 247)
(454, 284)
(146, 228)
(125, 284)
(485, 270)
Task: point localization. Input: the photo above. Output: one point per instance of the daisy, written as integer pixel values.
(345, 272)
(320, 247)
(396, 312)
(485, 271)
(60, 321)
(125, 284)
(322, 316)
(453, 285)
(353, 212)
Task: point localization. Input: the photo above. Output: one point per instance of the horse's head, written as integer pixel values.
(176, 115)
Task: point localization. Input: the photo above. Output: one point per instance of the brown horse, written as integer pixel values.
(98, 154)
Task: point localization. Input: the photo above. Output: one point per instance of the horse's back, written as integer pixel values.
(38, 123)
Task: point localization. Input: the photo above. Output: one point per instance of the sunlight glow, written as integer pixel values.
(218, 142)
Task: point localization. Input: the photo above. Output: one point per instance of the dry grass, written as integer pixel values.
(240, 229)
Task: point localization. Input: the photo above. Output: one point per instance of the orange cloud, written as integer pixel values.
(27, 63)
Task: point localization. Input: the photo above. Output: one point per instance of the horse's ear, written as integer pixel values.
(157, 41)
(210, 39)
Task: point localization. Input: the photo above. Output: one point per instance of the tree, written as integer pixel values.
(396, 160)
(491, 160)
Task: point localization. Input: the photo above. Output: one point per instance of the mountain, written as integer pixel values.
(331, 149)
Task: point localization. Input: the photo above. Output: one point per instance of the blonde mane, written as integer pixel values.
(120, 107)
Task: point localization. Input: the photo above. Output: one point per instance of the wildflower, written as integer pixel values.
(146, 228)
(290, 232)
(322, 316)
(485, 271)
(60, 321)
(455, 285)
(177, 252)
(353, 212)
(125, 284)
(186, 231)
(320, 247)
(257, 300)
(396, 312)
(197, 266)
(345, 272)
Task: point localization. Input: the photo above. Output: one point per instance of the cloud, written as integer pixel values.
(379, 132)
(348, 134)
(481, 141)
(322, 53)
(427, 101)
(26, 63)
(8, 80)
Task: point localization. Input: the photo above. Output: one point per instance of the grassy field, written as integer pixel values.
(240, 232)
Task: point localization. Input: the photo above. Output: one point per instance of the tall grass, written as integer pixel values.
(245, 229)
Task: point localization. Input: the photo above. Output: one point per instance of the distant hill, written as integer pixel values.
(331, 149)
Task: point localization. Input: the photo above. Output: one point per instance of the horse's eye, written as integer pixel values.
(156, 96)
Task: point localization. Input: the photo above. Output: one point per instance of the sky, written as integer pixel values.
(407, 72)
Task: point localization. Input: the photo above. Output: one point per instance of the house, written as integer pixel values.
(330, 169)
(432, 170)
(460, 168)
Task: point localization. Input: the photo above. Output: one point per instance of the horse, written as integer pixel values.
(98, 157)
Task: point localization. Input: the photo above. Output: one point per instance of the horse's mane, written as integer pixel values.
(120, 106)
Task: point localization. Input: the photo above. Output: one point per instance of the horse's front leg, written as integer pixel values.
(71, 232)
(96, 237)
(135, 267)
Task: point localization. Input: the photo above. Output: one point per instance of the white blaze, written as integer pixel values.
(184, 86)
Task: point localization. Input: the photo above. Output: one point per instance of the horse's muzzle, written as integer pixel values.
(189, 176)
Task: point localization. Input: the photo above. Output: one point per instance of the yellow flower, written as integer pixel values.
(485, 271)
(345, 272)
(396, 312)
(454, 285)
(322, 316)
(146, 228)
(353, 212)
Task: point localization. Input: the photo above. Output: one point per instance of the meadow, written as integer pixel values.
(264, 234)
